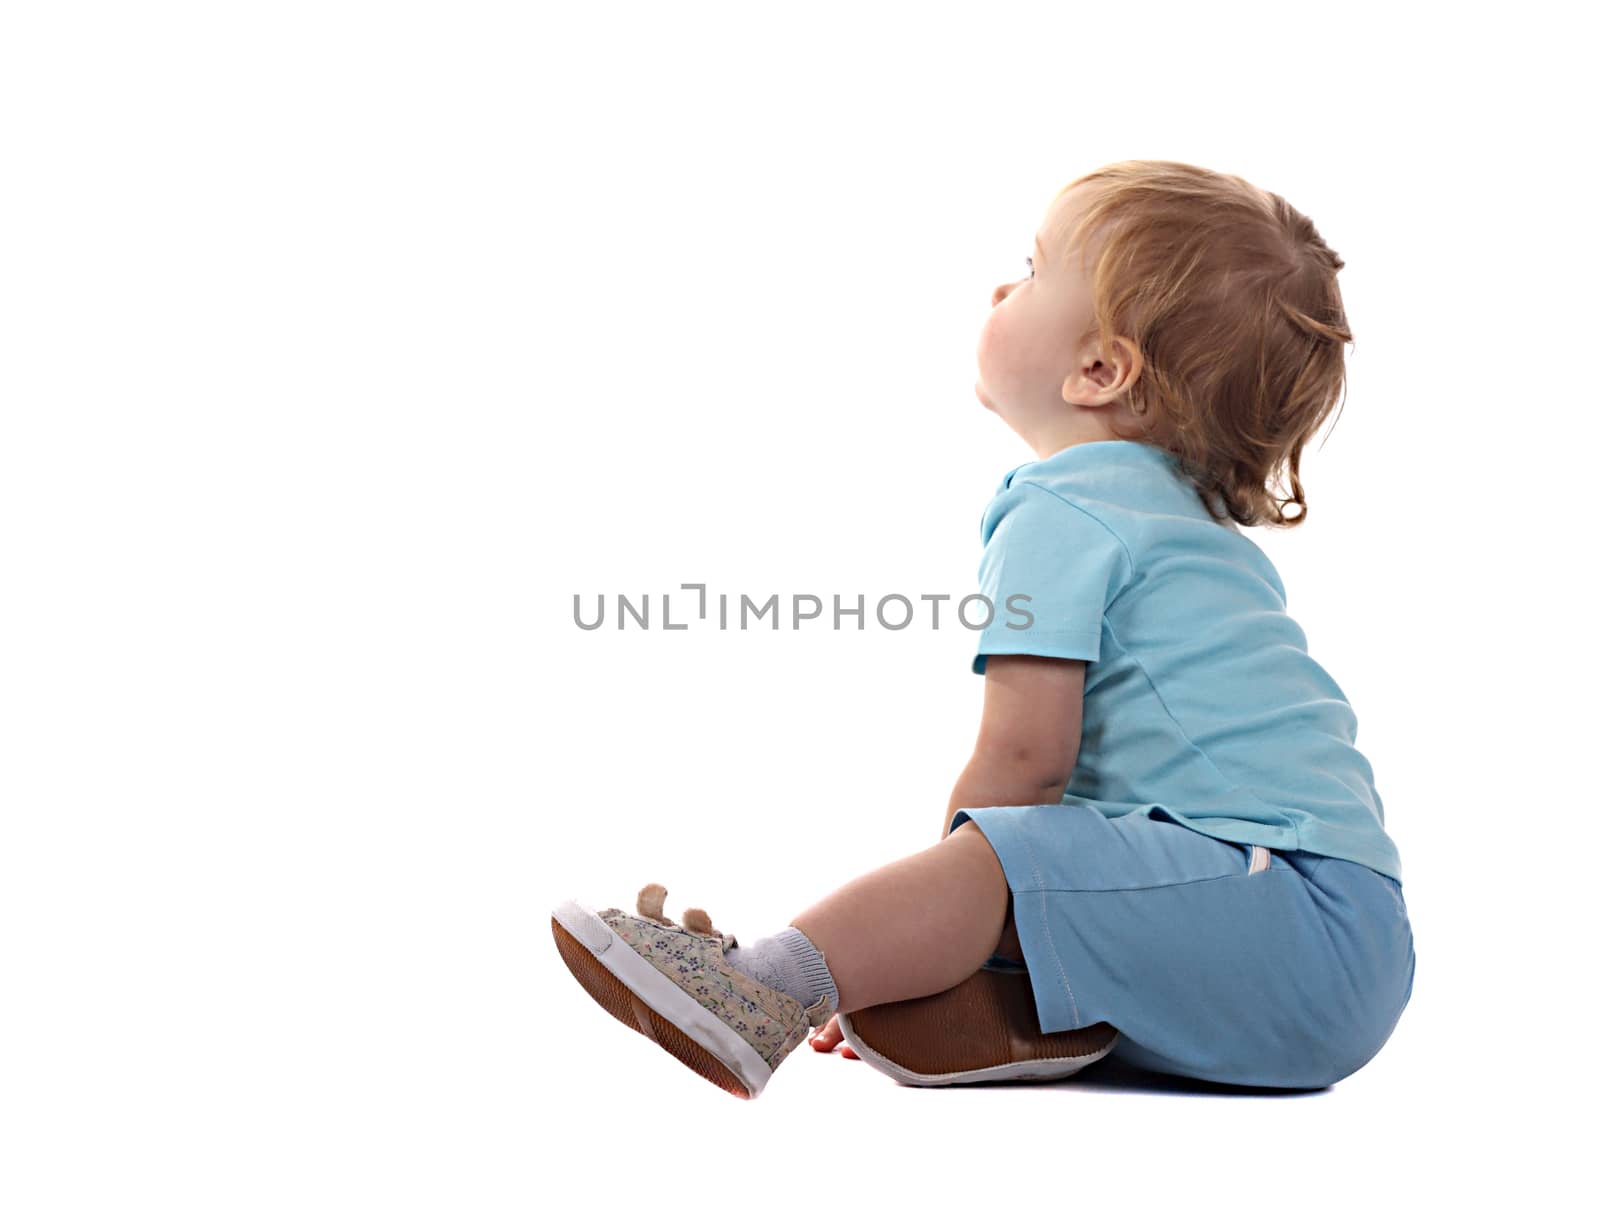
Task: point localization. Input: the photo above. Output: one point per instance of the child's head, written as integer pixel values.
(1181, 307)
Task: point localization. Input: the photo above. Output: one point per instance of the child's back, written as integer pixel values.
(1200, 697)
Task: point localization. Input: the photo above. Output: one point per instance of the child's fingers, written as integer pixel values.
(828, 1036)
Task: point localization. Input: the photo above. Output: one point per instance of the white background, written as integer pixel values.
(343, 344)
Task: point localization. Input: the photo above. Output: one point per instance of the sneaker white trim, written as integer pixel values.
(1043, 1068)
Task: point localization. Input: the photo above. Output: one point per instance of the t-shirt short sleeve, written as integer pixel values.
(1048, 570)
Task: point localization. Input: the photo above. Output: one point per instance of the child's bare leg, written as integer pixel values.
(1010, 947)
(915, 927)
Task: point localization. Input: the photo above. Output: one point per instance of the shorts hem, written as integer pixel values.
(1053, 996)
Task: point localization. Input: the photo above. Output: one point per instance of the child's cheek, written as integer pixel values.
(994, 347)
(1009, 356)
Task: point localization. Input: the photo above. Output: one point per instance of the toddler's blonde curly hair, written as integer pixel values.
(1230, 295)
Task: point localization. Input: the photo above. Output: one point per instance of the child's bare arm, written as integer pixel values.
(1028, 741)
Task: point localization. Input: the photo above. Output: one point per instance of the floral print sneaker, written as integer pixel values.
(671, 983)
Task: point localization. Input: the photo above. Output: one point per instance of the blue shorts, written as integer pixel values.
(1215, 960)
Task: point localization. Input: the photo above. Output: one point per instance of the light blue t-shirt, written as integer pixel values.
(1199, 696)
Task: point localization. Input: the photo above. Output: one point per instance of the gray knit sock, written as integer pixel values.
(789, 962)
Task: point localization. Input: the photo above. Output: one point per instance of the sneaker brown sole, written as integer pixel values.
(611, 993)
(983, 1029)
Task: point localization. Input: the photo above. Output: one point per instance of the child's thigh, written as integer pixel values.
(1215, 960)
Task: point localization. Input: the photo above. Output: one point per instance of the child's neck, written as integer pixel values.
(1070, 431)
